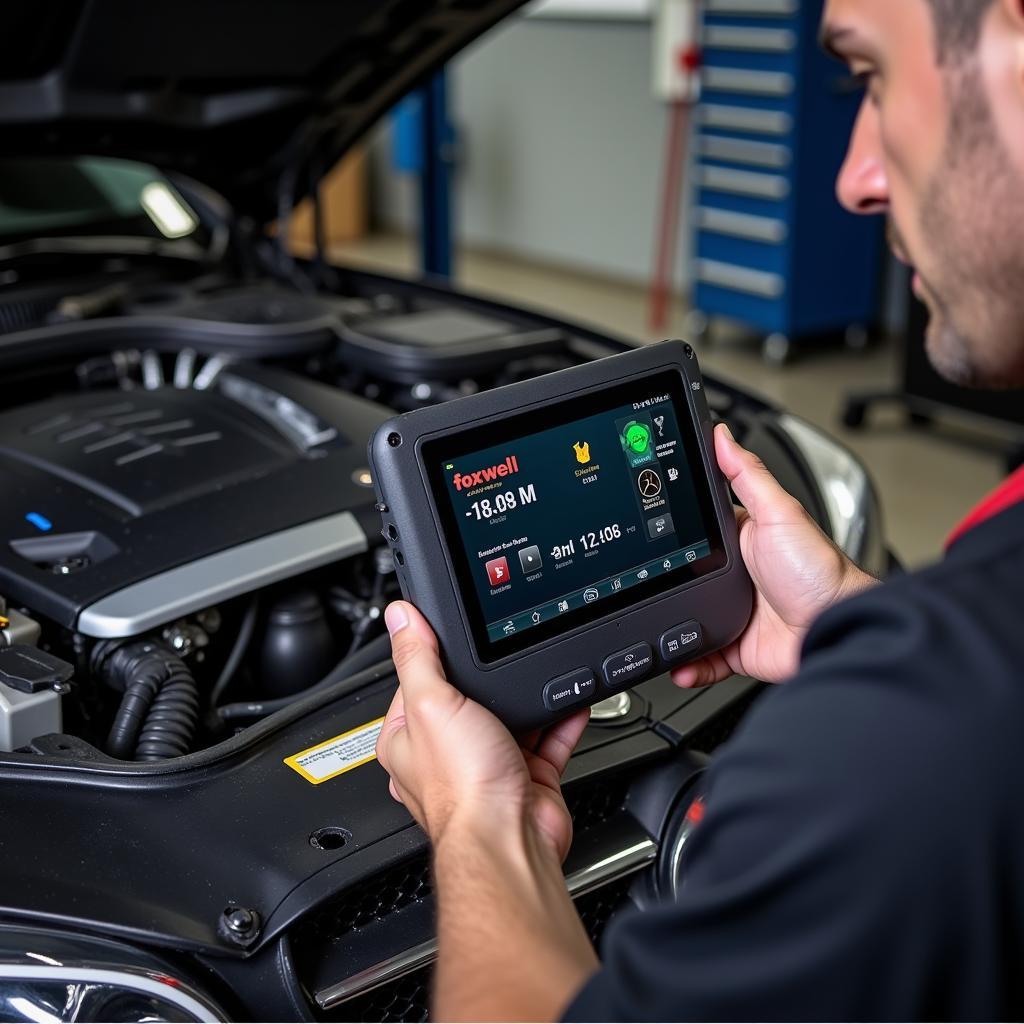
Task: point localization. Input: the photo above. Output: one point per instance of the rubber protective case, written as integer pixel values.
(513, 687)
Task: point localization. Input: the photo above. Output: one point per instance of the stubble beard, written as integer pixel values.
(972, 226)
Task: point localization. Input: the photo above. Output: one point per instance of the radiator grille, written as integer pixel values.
(389, 891)
(408, 999)
(590, 803)
(595, 801)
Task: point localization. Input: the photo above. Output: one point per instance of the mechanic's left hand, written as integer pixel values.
(452, 761)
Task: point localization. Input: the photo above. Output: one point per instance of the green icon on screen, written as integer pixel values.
(636, 438)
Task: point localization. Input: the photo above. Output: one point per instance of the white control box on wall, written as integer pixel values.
(638, 10)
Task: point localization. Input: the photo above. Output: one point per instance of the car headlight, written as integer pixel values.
(53, 994)
(846, 489)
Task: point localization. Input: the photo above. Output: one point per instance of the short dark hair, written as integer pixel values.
(957, 26)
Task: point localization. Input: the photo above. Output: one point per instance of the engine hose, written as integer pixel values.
(158, 713)
(238, 652)
(171, 722)
(373, 652)
(131, 716)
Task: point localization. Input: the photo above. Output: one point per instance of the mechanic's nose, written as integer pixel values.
(862, 186)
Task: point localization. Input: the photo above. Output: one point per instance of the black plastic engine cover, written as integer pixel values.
(102, 490)
(157, 852)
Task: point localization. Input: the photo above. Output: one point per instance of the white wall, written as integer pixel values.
(561, 146)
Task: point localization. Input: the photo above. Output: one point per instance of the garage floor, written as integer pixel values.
(927, 479)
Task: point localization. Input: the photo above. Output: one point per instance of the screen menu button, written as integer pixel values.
(660, 526)
(530, 560)
(629, 666)
(576, 687)
(681, 641)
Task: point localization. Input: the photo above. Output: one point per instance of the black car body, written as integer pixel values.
(183, 426)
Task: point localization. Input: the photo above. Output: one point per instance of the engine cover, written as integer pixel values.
(123, 510)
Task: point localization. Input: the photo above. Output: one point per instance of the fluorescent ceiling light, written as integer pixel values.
(167, 211)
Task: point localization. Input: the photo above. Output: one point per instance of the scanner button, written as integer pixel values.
(681, 641)
(576, 687)
(628, 666)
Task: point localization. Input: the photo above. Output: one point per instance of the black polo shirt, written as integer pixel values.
(862, 852)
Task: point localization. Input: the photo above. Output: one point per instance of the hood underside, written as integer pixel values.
(242, 95)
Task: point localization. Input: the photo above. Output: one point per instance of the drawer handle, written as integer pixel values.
(742, 225)
(758, 40)
(743, 151)
(743, 183)
(752, 83)
(759, 283)
(744, 119)
(774, 8)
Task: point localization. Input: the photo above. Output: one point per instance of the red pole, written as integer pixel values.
(667, 226)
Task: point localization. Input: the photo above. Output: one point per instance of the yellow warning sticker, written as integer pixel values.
(339, 755)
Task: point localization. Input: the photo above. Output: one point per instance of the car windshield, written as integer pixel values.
(89, 196)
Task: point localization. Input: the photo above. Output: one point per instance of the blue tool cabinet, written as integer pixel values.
(772, 248)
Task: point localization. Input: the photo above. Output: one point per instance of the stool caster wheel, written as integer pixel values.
(854, 414)
(777, 350)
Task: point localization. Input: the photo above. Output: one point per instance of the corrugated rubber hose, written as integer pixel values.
(158, 713)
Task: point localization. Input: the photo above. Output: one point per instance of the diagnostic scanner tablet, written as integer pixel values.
(568, 536)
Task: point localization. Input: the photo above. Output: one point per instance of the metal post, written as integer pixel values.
(438, 146)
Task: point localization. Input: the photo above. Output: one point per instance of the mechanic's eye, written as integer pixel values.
(866, 82)
(859, 81)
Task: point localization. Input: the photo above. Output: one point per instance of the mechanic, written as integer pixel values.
(862, 854)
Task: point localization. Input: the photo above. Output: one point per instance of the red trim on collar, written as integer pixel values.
(1008, 494)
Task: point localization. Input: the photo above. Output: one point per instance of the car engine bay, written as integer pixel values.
(192, 579)
(197, 507)
(173, 495)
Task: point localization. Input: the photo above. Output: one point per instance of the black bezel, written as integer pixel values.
(513, 687)
(435, 451)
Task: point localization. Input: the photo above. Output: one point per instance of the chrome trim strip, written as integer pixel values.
(221, 576)
(778, 8)
(612, 868)
(392, 969)
(742, 225)
(751, 83)
(760, 283)
(744, 151)
(579, 883)
(168, 990)
(761, 40)
(743, 183)
(744, 119)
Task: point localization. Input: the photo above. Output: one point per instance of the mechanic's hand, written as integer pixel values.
(450, 759)
(797, 572)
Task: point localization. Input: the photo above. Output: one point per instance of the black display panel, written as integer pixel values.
(575, 511)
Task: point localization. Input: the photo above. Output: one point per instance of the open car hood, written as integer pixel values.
(243, 95)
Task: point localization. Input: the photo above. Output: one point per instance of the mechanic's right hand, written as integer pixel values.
(452, 761)
(797, 571)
